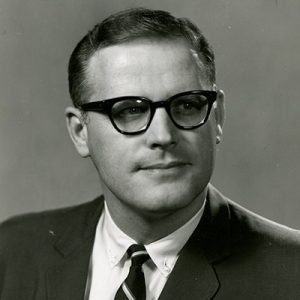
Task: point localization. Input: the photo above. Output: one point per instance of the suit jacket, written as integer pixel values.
(232, 254)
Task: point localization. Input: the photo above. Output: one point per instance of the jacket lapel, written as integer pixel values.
(67, 279)
(194, 275)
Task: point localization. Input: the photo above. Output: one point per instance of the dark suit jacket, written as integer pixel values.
(233, 254)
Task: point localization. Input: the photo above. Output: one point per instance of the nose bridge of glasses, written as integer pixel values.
(159, 104)
(161, 117)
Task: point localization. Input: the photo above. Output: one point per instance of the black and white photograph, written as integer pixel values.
(149, 150)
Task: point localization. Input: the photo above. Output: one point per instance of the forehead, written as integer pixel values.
(146, 68)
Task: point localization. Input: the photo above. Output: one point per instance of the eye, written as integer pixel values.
(188, 105)
(134, 110)
(130, 109)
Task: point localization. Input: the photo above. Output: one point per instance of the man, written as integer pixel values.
(148, 113)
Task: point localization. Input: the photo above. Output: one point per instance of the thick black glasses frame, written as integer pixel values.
(105, 106)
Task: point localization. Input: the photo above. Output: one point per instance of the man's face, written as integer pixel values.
(165, 168)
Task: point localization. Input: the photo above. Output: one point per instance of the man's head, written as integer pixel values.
(164, 168)
(128, 26)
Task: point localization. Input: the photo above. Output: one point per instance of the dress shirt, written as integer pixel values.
(109, 265)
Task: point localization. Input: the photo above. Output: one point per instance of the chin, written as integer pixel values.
(164, 203)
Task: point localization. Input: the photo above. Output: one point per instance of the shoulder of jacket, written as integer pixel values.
(42, 226)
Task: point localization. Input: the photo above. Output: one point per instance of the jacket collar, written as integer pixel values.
(81, 227)
(214, 232)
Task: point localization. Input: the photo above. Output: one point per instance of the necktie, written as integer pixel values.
(133, 288)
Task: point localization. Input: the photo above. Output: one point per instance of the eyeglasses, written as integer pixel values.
(133, 114)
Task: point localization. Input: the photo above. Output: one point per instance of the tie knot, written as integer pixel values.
(138, 255)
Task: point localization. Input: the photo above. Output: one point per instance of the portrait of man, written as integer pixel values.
(147, 111)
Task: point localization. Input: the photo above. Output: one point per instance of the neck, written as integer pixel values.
(147, 227)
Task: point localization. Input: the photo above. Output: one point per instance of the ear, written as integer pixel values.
(219, 111)
(77, 130)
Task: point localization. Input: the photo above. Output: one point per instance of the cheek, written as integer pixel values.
(203, 150)
(108, 152)
(202, 141)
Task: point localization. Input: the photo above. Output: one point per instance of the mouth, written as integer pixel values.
(164, 166)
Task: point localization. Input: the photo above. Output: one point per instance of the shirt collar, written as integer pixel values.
(163, 252)
(115, 240)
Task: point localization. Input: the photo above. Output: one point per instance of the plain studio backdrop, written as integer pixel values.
(257, 46)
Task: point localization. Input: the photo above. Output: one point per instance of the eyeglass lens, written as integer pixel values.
(131, 115)
(189, 110)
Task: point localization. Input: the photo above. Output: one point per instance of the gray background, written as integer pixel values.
(257, 45)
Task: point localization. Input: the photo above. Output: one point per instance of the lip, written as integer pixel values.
(164, 165)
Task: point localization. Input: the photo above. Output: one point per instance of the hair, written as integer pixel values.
(126, 26)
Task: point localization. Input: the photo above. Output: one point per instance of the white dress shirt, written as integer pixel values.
(109, 265)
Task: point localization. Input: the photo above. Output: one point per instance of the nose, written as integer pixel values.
(161, 133)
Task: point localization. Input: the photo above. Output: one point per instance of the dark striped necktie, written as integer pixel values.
(133, 288)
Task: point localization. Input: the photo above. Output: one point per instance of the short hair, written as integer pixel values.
(129, 25)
